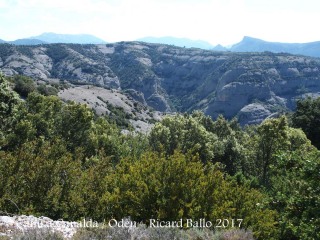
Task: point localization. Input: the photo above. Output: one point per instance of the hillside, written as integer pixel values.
(250, 86)
(114, 103)
(60, 161)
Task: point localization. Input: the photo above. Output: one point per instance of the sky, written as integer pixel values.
(223, 22)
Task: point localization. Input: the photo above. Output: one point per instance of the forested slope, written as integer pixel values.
(61, 160)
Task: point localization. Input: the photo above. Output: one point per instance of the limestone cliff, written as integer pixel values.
(250, 86)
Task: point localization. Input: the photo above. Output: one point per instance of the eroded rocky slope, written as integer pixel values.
(250, 86)
(108, 101)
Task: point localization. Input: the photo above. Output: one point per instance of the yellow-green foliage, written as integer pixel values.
(60, 160)
(181, 187)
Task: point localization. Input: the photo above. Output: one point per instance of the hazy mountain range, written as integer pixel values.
(179, 42)
(250, 86)
(46, 38)
(248, 44)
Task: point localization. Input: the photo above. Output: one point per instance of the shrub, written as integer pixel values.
(24, 85)
(47, 90)
(38, 234)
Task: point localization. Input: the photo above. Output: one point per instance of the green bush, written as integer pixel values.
(47, 90)
(24, 85)
(181, 187)
(307, 117)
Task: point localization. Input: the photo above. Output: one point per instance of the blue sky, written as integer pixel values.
(215, 21)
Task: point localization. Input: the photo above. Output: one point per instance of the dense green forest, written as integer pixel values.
(60, 160)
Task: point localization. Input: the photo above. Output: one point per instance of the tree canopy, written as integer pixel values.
(307, 117)
(60, 160)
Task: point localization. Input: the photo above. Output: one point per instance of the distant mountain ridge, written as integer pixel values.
(249, 44)
(179, 42)
(69, 38)
(27, 41)
(47, 38)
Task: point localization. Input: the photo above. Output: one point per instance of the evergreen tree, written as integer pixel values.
(307, 117)
(9, 102)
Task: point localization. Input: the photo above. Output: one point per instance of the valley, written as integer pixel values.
(165, 78)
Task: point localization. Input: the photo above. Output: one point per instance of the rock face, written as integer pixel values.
(250, 86)
(20, 224)
(105, 101)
